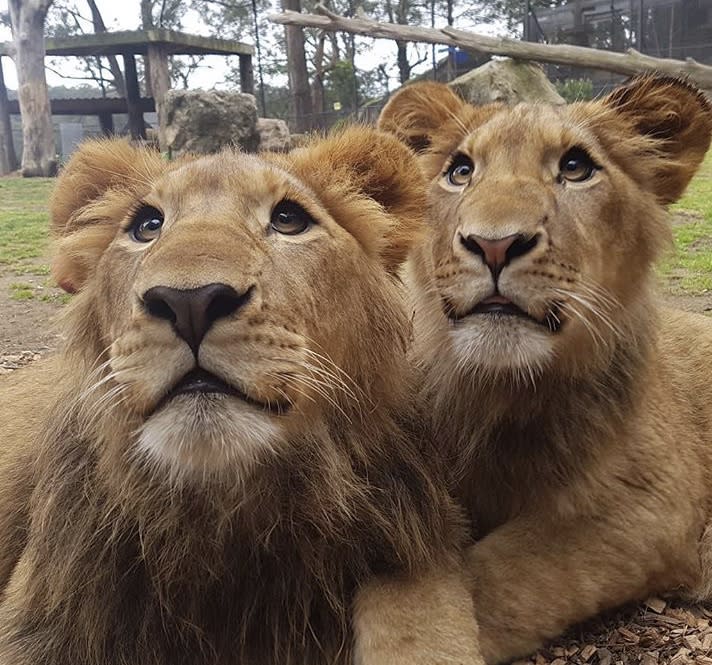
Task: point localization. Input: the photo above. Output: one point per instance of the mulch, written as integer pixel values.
(657, 632)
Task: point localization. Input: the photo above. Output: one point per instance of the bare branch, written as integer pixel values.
(628, 63)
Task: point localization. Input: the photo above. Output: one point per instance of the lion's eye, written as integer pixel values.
(576, 165)
(147, 223)
(290, 219)
(460, 171)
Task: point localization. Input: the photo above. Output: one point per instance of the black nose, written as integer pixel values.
(193, 311)
(498, 252)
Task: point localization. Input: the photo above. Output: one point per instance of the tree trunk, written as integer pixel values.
(403, 64)
(27, 18)
(629, 63)
(116, 73)
(147, 24)
(8, 160)
(298, 75)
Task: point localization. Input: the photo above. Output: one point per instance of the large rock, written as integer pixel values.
(508, 81)
(274, 134)
(202, 122)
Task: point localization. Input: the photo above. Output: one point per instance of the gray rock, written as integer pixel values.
(274, 134)
(507, 81)
(203, 122)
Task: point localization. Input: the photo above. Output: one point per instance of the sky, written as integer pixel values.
(125, 15)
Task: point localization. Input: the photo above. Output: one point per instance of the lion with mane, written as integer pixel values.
(221, 465)
(580, 406)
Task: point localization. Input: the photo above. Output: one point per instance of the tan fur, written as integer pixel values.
(586, 448)
(212, 528)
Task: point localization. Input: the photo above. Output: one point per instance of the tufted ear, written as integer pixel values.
(89, 200)
(371, 184)
(677, 117)
(417, 111)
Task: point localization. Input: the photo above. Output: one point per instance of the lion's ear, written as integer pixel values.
(87, 202)
(371, 184)
(677, 117)
(417, 111)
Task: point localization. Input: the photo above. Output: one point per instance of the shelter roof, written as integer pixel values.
(136, 42)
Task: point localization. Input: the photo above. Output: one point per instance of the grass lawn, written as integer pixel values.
(689, 269)
(24, 240)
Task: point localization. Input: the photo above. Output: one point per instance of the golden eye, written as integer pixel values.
(576, 166)
(290, 219)
(460, 171)
(147, 224)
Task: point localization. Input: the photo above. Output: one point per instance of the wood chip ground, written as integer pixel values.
(654, 633)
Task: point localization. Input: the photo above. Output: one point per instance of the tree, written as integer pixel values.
(297, 71)
(27, 18)
(65, 18)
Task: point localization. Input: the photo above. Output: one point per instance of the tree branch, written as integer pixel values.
(628, 63)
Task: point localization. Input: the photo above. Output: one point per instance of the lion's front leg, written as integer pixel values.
(428, 620)
(535, 576)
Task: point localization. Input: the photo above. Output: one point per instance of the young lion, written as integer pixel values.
(219, 463)
(583, 407)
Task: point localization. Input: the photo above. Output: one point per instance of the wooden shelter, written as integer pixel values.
(156, 45)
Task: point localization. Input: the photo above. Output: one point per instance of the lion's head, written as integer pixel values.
(228, 302)
(545, 220)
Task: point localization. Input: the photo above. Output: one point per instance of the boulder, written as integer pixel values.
(203, 122)
(508, 81)
(274, 134)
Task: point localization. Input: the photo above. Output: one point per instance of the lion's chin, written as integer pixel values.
(498, 344)
(206, 435)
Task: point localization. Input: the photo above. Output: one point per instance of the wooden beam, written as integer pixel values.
(160, 85)
(89, 106)
(628, 63)
(106, 121)
(247, 77)
(137, 127)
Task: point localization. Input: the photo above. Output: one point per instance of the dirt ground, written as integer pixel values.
(656, 632)
(27, 327)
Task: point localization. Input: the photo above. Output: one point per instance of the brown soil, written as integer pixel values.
(27, 328)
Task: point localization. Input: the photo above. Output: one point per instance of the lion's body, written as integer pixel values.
(232, 516)
(581, 407)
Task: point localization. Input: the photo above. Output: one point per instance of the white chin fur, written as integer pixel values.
(207, 436)
(500, 346)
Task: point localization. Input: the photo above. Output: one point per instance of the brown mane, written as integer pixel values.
(107, 560)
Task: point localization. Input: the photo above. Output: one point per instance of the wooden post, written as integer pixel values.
(106, 120)
(8, 158)
(133, 98)
(160, 85)
(247, 78)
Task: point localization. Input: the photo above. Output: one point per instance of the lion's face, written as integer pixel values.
(238, 307)
(545, 220)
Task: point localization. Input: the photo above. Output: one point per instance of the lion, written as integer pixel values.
(224, 464)
(580, 407)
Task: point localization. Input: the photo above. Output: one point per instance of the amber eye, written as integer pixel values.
(460, 171)
(290, 219)
(147, 224)
(576, 165)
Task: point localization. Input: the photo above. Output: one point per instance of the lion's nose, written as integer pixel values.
(498, 252)
(193, 311)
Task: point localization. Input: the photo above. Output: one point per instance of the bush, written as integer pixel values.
(575, 90)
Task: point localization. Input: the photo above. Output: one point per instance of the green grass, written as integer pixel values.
(23, 221)
(24, 238)
(689, 268)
